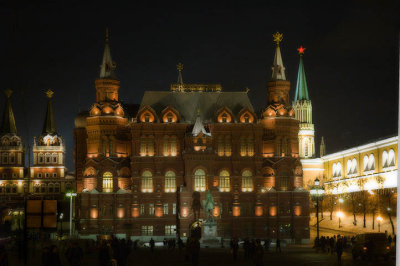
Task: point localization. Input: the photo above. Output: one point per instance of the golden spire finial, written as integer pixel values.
(49, 93)
(277, 37)
(107, 35)
(247, 89)
(179, 66)
(8, 92)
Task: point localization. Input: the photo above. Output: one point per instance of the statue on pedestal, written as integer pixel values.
(208, 205)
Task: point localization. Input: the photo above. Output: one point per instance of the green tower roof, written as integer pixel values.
(8, 123)
(301, 86)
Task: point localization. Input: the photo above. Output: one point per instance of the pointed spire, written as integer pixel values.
(322, 148)
(278, 70)
(107, 67)
(198, 126)
(8, 124)
(301, 86)
(180, 68)
(49, 126)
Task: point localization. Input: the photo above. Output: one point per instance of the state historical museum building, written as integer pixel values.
(138, 167)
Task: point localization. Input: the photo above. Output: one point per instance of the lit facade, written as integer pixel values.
(45, 179)
(139, 169)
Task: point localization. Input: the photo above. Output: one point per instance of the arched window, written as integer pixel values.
(51, 188)
(41, 158)
(14, 188)
(365, 163)
(173, 144)
(37, 188)
(339, 169)
(170, 181)
(243, 146)
(224, 118)
(385, 161)
(43, 188)
(349, 166)
(147, 146)
(57, 188)
(107, 182)
(334, 170)
(354, 166)
(224, 181)
(220, 147)
(247, 181)
(247, 118)
(54, 155)
(250, 146)
(147, 181)
(371, 162)
(391, 159)
(305, 147)
(200, 180)
(166, 150)
(228, 147)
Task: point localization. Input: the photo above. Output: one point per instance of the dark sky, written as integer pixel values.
(351, 58)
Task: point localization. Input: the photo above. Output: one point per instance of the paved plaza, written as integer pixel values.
(291, 255)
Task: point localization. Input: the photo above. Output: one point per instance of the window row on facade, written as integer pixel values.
(170, 146)
(11, 158)
(388, 160)
(47, 158)
(199, 181)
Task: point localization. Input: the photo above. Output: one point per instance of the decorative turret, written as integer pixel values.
(303, 112)
(278, 70)
(49, 126)
(107, 85)
(322, 148)
(8, 124)
(180, 68)
(107, 67)
(199, 127)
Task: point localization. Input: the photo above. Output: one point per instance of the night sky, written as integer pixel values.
(351, 57)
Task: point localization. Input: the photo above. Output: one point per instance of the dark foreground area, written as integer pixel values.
(291, 255)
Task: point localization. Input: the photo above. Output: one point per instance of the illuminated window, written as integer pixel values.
(169, 146)
(224, 118)
(228, 148)
(147, 146)
(250, 146)
(284, 183)
(169, 117)
(151, 209)
(173, 146)
(174, 208)
(147, 181)
(147, 117)
(165, 208)
(220, 146)
(200, 180)
(246, 118)
(170, 183)
(170, 230)
(247, 181)
(39, 175)
(279, 148)
(54, 158)
(224, 181)
(391, 158)
(141, 209)
(107, 182)
(37, 188)
(147, 230)
(305, 147)
(47, 175)
(54, 174)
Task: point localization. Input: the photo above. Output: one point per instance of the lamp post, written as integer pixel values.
(70, 195)
(340, 215)
(61, 218)
(317, 192)
(380, 219)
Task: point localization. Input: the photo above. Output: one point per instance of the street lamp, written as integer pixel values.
(61, 218)
(70, 195)
(340, 215)
(317, 192)
(380, 219)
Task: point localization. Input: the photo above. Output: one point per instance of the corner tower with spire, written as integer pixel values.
(303, 111)
(11, 150)
(48, 153)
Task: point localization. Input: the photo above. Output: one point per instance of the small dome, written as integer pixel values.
(80, 119)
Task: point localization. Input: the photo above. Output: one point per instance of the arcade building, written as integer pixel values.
(139, 169)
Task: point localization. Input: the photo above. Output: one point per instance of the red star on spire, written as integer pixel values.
(301, 50)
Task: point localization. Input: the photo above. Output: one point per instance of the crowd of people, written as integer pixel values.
(253, 249)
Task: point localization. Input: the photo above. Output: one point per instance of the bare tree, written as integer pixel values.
(363, 198)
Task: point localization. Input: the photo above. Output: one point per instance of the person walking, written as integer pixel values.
(278, 245)
(152, 244)
(339, 250)
(235, 248)
(258, 253)
(74, 254)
